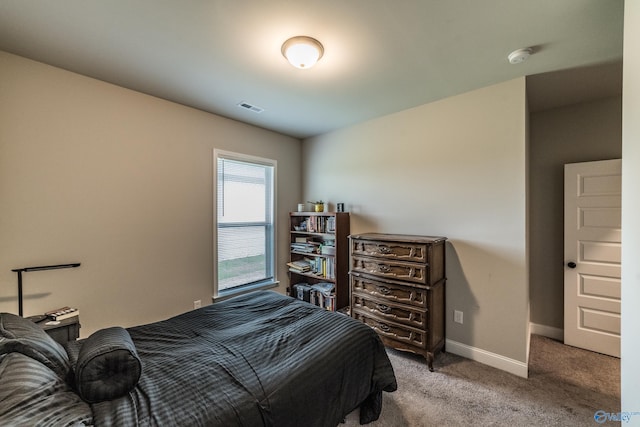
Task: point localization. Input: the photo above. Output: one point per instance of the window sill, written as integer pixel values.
(226, 294)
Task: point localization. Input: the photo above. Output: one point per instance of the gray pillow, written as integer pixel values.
(108, 365)
(20, 335)
(33, 395)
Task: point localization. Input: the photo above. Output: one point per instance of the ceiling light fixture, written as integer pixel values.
(520, 55)
(302, 51)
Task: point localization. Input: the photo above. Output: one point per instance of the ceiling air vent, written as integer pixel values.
(250, 107)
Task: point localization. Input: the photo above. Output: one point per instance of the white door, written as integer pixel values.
(592, 229)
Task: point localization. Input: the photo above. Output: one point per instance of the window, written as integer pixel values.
(244, 236)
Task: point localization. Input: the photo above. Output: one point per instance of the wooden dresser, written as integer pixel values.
(398, 288)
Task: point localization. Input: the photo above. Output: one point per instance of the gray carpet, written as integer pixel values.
(566, 386)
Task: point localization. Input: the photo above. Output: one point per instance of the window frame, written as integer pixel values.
(271, 257)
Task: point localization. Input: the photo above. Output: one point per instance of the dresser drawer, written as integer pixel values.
(413, 252)
(401, 333)
(386, 311)
(389, 291)
(399, 270)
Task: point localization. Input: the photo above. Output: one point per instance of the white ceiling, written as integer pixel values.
(381, 56)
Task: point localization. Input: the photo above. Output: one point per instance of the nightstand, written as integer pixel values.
(66, 330)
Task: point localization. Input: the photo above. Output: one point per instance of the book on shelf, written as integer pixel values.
(320, 224)
(320, 267)
(320, 294)
(308, 247)
(62, 313)
(300, 266)
(327, 250)
(324, 287)
(324, 267)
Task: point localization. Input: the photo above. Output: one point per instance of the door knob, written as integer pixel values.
(571, 264)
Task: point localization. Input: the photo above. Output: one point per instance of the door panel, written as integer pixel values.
(592, 242)
(600, 287)
(599, 321)
(596, 218)
(604, 253)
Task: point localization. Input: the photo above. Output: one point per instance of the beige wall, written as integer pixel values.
(578, 133)
(121, 182)
(455, 168)
(630, 361)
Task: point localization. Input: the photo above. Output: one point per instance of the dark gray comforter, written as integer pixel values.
(261, 359)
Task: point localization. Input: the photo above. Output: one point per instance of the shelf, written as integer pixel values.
(313, 254)
(312, 233)
(337, 263)
(313, 213)
(314, 276)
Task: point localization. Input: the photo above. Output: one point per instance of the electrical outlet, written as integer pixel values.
(197, 304)
(457, 316)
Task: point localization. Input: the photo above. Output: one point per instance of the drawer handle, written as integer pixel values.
(384, 249)
(383, 308)
(384, 290)
(384, 327)
(384, 268)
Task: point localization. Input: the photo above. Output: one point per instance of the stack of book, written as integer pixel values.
(299, 266)
(62, 313)
(305, 247)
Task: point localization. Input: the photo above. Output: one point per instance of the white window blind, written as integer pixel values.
(245, 222)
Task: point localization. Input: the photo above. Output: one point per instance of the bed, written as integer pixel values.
(261, 359)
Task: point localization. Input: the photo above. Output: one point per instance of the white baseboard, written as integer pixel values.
(547, 331)
(494, 360)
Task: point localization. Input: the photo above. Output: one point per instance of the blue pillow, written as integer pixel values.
(108, 365)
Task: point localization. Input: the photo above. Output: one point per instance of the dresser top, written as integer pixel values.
(407, 238)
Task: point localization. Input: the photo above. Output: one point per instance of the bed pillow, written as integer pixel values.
(31, 394)
(108, 365)
(20, 335)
